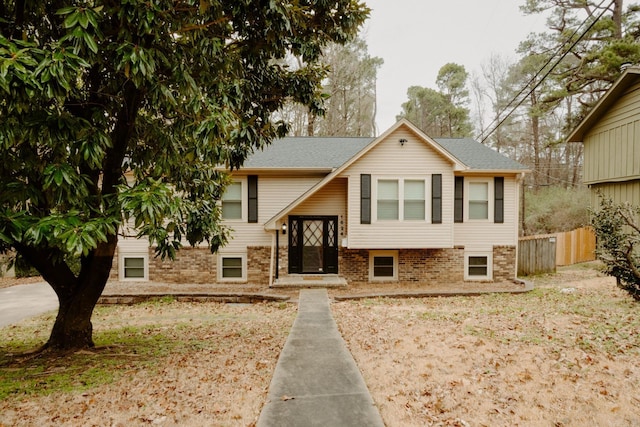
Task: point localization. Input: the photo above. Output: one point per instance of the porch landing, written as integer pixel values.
(310, 281)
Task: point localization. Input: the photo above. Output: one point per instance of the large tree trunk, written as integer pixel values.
(73, 329)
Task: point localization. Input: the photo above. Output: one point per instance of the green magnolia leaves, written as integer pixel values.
(117, 118)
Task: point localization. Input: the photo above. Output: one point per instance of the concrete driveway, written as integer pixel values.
(23, 301)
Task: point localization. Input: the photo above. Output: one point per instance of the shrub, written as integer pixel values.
(555, 209)
(618, 235)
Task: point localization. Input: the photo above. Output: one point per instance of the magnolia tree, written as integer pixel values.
(163, 91)
(617, 228)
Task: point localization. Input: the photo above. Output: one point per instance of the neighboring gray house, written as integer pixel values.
(611, 137)
(400, 208)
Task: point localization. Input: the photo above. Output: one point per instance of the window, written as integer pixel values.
(478, 266)
(388, 199)
(391, 192)
(478, 200)
(383, 265)
(232, 201)
(414, 200)
(133, 267)
(232, 267)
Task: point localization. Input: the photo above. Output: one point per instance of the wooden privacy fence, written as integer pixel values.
(543, 253)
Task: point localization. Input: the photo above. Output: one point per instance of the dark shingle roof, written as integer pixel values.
(307, 152)
(478, 156)
(333, 152)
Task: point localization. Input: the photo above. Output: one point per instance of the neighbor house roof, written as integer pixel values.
(629, 77)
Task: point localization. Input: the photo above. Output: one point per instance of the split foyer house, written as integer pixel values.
(611, 137)
(402, 207)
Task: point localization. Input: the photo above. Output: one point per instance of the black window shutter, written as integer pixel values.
(365, 199)
(436, 199)
(458, 203)
(253, 198)
(498, 191)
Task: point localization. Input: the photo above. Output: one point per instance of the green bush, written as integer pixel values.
(555, 209)
(617, 228)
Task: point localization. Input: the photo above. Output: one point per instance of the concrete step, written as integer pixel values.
(310, 281)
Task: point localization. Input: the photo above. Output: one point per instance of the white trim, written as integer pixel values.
(243, 258)
(244, 201)
(121, 271)
(374, 254)
(488, 255)
(490, 198)
(426, 179)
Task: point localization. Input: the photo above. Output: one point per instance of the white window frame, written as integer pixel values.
(375, 254)
(401, 198)
(488, 276)
(219, 268)
(121, 269)
(244, 201)
(490, 197)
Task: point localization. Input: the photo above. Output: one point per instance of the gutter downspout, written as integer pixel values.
(271, 264)
(277, 253)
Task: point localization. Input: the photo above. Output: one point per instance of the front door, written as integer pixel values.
(313, 244)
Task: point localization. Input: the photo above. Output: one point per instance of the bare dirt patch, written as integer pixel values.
(564, 354)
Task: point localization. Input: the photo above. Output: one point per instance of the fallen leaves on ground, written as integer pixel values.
(218, 375)
(542, 358)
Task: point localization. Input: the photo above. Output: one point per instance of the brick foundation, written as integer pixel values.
(504, 263)
(427, 266)
(192, 265)
(258, 259)
(414, 265)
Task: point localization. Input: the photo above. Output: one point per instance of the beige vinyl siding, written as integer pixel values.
(274, 194)
(329, 200)
(391, 160)
(612, 151)
(132, 244)
(484, 234)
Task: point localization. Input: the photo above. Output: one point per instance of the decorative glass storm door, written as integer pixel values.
(313, 244)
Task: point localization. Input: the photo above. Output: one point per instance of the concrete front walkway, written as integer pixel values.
(316, 381)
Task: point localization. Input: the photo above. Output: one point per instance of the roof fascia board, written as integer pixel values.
(624, 81)
(494, 171)
(613, 180)
(284, 171)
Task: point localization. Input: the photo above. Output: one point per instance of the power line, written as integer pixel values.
(550, 69)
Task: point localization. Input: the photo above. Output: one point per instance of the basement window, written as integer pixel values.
(383, 266)
(478, 267)
(134, 268)
(232, 268)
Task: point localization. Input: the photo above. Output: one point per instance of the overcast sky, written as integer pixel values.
(417, 37)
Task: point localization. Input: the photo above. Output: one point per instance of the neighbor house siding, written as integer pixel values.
(391, 160)
(618, 191)
(611, 150)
